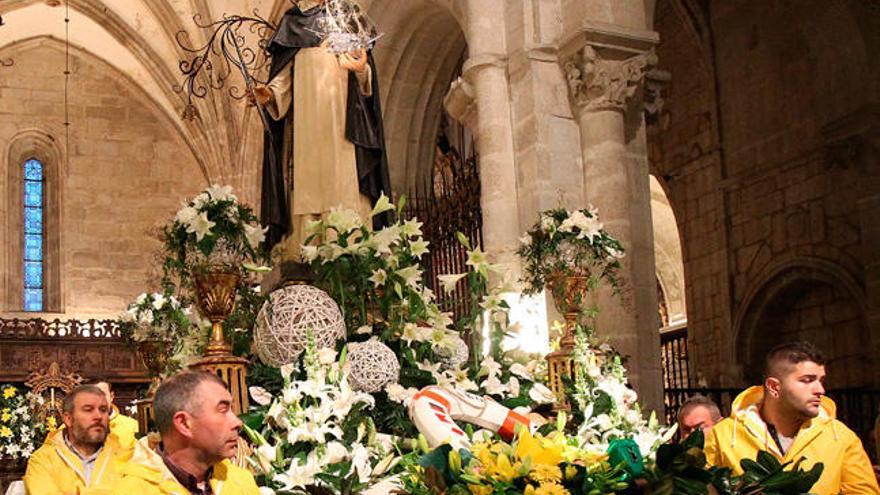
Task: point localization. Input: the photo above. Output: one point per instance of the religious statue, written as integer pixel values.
(326, 121)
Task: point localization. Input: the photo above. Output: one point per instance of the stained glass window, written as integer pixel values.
(34, 189)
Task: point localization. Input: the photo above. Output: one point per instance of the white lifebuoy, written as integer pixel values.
(434, 410)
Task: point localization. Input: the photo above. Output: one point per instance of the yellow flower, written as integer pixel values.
(5, 432)
(504, 470)
(545, 473)
(570, 472)
(9, 392)
(540, 450)
(52, 423)
(6, 415)
(480, 489)
(551, 489)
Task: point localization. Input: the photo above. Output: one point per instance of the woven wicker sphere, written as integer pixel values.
(452, 359)
(284, 322)
(372, 366)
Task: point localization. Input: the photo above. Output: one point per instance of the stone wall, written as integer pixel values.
(767, 197)
(128, 172)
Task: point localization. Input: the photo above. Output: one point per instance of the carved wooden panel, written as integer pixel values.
(92, 348)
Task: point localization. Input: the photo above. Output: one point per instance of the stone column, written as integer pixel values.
(604, 86)
(485, 73)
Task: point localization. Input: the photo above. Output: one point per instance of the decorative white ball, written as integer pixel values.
(283, 324)
(455, 357)
(372, 366)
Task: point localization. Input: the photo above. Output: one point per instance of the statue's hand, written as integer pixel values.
(260, 94)
(354, 61)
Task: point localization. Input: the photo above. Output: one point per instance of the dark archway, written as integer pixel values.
(806, 300)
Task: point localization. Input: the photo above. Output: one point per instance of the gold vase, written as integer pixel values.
(154, 354)
(215, 296)
(570, 295)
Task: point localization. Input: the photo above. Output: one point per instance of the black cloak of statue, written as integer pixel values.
(363, 128)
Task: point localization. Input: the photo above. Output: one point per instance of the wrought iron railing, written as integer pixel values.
(674, 358)
(454, 208)
(37, 328)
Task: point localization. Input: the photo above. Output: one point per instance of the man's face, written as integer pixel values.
(89, 422)
(214, 425)
(105, 387)
(801, 389)
(698, 417)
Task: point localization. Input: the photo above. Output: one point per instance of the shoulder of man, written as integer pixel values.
(228, 472)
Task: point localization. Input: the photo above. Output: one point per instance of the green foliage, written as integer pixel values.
(681, 469)
(567, 243)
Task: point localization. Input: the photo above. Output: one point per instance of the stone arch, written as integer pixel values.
(40, 144)
(93, 59)
(416, 58)
(805, 299)
(668, 254)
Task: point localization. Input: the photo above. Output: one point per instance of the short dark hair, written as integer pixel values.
(698, 400)
(791, 354)
(178, 393)
(67, 403)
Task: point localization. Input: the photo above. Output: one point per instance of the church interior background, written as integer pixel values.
(732, 146)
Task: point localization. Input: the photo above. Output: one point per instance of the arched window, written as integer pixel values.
(34, 234)
(30, 245)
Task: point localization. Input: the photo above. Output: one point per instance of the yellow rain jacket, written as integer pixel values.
(146, 474)
(822, 439)
(124, 427)
(54, 469)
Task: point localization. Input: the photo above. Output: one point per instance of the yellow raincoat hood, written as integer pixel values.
(822, 439)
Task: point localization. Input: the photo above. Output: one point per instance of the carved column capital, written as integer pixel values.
(599, 83)
(461, 103)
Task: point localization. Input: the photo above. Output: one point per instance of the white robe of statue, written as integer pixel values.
(324, 164)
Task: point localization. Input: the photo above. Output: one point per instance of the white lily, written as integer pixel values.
(309, 253)
(412, 275)
(411, 228)
(541, 394)
(221, 193)
(449, 281)
(186, 215)
(419, 248)
(200, 225)
(378, 277)
(383, 204)
(255, 235)
(260, 395)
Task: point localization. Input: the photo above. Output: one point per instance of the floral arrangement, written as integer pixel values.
(316, 433)
(607, 409)
(156, 316)
(21, 431)
(161, 317)
(376, 278)
(538, 464)
(212, 230)
(555, 464)
(564, 243)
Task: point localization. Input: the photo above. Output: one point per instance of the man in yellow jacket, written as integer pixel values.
(124, 427)
(81, 458)
(790, 417)
(193, 412)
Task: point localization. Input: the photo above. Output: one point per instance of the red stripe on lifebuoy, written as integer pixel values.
(508, 428)
(433, 395)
